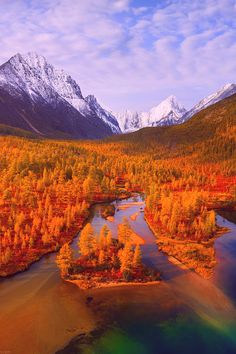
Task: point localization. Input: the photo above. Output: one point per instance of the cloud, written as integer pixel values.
(128, 55)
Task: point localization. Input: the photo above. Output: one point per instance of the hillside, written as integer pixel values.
(7, 130)
(214, 128)
(184, 171)
(170, 112)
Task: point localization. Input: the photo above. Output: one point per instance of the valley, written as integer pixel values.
(118, 177)
(118, 235)
(35, 96)
(48, 186)
(50, 189)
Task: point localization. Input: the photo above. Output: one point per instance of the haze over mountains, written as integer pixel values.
(37, 97)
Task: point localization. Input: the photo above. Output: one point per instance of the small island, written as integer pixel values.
(185, 227)
(108, 211)
(104, 261)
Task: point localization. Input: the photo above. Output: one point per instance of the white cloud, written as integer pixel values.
(127, 55)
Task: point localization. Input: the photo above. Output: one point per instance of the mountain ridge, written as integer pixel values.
(170, 112)
(36, 96)
(167, 112)
(224, 92)
(212, 121)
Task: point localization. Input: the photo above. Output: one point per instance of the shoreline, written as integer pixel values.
(49, 252)
(182, 265)
(113, 284)
(221, 231)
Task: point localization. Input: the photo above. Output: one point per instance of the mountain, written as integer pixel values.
(168, 112)
(209, 136)
(129, 121)
(38, 97)
(212, 131)
(224, 92)
(108, 118)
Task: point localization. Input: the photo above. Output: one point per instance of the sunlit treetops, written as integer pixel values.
(47, 187)
(102, 252)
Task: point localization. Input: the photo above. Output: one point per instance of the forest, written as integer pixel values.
(48, 186)
(102, 259)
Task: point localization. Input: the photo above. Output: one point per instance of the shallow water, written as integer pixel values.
(184, 314)
(39, 313)
(225, 246)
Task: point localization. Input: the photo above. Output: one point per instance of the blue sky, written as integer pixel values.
(130, 54)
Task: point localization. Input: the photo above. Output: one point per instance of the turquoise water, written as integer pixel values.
(180, 335)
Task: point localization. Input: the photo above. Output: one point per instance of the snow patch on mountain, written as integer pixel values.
(32, 73)
(168, 112)
(226, 91)
(129, 121)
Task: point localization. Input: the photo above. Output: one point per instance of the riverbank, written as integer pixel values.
(198, 257)
(98, 285)
(78, 225)
(64, 316)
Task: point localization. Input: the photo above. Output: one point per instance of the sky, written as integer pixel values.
(131, 54)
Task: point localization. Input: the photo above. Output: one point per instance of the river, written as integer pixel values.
(39, 313)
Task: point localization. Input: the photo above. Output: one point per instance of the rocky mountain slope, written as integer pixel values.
(38, 97)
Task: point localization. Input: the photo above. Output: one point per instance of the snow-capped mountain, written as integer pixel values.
(129, 121)
(224, 92)
(103, 114)
(168, 112)
(36, 96)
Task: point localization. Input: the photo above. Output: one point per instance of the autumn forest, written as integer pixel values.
(48, 186)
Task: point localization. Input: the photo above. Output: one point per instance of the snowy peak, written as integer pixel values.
(67, 88)
(168, 112)
(168, 105)
(34, 74)
(33, 59)
(226, 91)
(32, 77)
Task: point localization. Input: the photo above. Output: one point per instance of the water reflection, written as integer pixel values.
(184, 314)
(39, 313)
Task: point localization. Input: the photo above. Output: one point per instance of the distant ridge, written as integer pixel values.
(217, 121)
(170, 112)
(226, 91)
